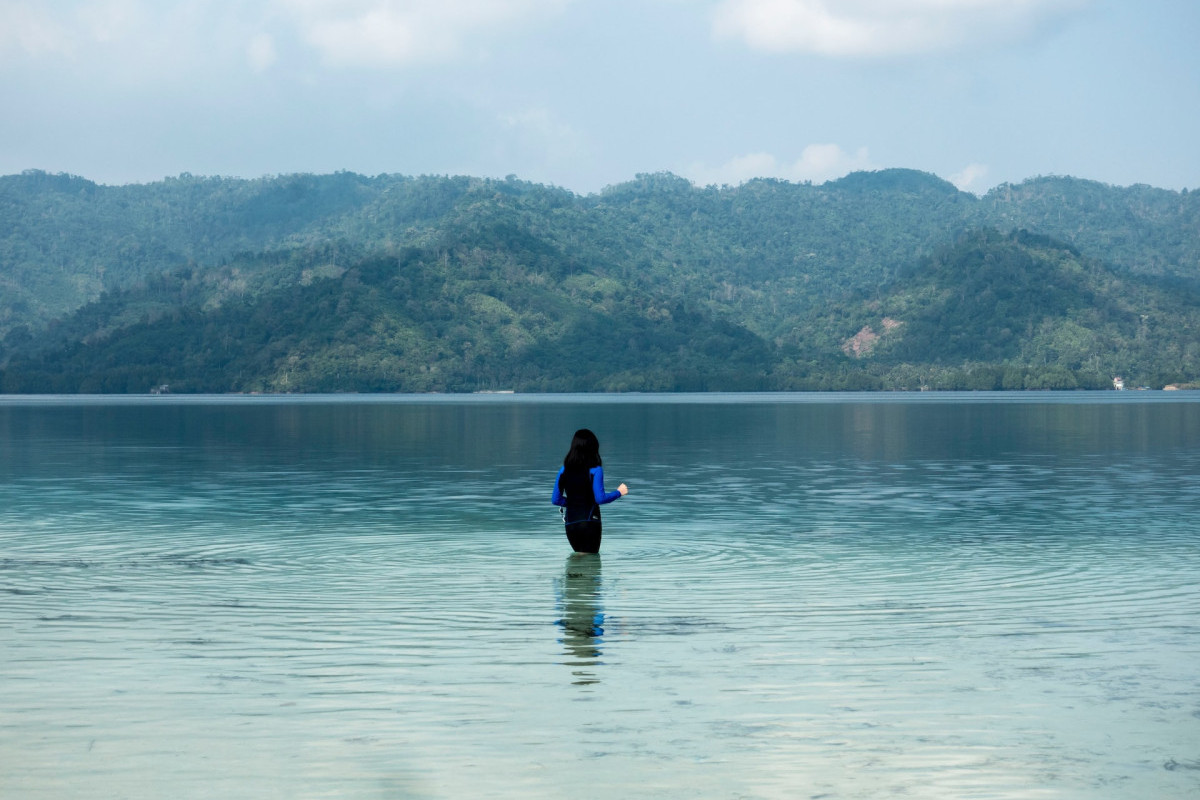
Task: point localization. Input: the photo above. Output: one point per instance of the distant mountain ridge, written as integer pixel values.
(390, 283)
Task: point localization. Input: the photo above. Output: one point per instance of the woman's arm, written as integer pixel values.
(557, 498)
(598, 492)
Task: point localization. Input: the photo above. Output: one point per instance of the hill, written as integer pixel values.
(344, 282)
(1021, 311)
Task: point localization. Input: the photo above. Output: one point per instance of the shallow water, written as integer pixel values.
(955, 596)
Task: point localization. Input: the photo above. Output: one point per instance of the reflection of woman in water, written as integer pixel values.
(582, 619)
(579, 489)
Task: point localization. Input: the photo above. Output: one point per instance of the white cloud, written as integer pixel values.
(27, 30)
(817, 163)
(151, 34)
(113, 20)
(538, 124)
(880, 28)
(400, 32)
(822, 162)
(260, 52)
(126, 42)
(45, 29)
(536, 143)
(968, 179)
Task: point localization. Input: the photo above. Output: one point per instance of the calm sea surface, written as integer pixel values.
(926, 596)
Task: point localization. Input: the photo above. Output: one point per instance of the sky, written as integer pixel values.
(585, 94)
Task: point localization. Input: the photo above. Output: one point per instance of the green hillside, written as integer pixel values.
(455, 319)
(891, 279)
(1019, 311)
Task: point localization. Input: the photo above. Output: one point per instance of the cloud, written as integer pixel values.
(145, 34)
(537, 143)
(260, 52)
(817, 163)
(128, 42)
(374, 33)
(882, 28)
(969, 177)
(540, 126)
(50, 30)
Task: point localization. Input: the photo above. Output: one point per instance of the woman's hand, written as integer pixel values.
(623, 489)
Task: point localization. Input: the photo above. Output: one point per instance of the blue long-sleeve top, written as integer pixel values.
(601, 496)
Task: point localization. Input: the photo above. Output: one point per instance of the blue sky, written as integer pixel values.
(587, 93)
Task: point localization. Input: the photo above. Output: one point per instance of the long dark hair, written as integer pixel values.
(584, 453)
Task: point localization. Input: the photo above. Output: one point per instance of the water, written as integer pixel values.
(957, 596)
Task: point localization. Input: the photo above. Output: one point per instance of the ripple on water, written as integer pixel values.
(856, 626)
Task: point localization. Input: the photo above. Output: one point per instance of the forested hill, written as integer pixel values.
(390, 283)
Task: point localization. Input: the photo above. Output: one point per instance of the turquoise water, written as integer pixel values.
(934, 596)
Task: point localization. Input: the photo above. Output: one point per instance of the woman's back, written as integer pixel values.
(576, 487)
(579, 489)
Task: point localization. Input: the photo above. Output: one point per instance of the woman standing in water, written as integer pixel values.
(579, 488)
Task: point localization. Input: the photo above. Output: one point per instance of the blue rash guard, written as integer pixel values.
(581, 512)
(599, 495)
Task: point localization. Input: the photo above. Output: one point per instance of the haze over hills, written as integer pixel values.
(891, 279)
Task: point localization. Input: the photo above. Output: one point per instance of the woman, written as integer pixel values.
(579, 489)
